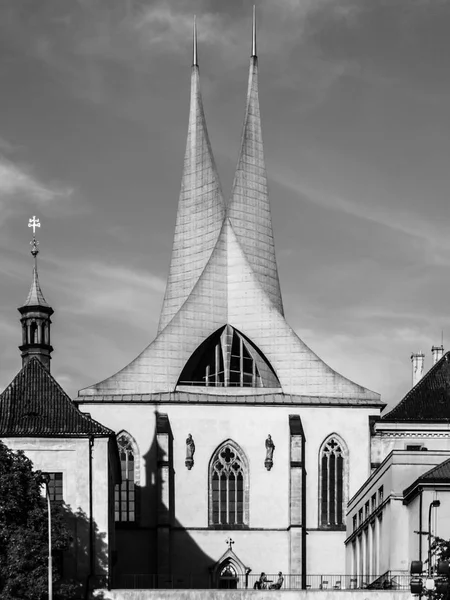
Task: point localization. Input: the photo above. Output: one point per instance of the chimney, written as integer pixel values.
(417, 359)
(437, 352)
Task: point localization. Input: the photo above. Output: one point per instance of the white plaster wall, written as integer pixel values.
(248, 426)
(71, 458)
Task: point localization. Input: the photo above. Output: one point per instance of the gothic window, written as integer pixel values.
(228, 487)
(125, 493)
(333, 480)
(228, 359)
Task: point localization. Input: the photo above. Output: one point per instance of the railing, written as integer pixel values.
(391, 580)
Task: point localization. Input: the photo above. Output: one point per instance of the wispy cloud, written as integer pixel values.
(18, 180)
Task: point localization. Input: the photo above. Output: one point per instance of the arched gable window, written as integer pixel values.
(125, 500)
(333, 482)
(228, 487)
(227, 358)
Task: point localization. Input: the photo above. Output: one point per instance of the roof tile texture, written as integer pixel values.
(35, 405)
(429, 399)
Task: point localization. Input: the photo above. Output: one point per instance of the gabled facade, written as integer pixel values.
(238, 425)
(79, 454)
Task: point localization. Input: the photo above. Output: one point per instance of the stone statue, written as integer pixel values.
(190, 447)
(270, 447)
(190, 450)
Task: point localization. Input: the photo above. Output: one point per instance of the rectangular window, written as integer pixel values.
(374, 502)
(360, 516)
(355, 522)
(366, 510)
(55, 487)
(414, 447)
(380, 495)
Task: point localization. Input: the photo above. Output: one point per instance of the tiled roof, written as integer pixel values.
(429, 400)
(35, 405)
(439, 473)
(436, 475)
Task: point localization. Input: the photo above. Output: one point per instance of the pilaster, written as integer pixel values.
(297, 499)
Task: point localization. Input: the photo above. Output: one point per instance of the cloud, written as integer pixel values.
(21, 188)
(18, 180)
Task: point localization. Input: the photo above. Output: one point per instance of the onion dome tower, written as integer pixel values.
(36, 313)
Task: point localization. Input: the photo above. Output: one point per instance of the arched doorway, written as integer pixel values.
(228, 578)
(229, 572)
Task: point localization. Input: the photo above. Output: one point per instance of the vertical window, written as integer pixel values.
(55, 487)
(33, 333)
(355, 522)
(333, 466)
(228, 486)
(374, 502)
(366, 510)
(125, 493)
(380, 495)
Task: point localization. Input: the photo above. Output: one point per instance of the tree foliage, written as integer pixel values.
(440, 548)
(24, 533)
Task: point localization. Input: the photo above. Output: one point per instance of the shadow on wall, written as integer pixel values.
(145, 552)
(84, 565)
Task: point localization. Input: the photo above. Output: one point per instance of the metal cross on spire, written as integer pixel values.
(230, 542)
(34, 243)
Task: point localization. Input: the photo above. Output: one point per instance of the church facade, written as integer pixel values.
(239, 446)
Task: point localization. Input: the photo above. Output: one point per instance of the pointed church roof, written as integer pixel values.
(34, 405)
(224, 272)
(429, 399)
(201, 208)
(35, 295)
(249, 208)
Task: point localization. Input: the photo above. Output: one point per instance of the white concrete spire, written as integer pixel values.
(249, 208)
(201, 208)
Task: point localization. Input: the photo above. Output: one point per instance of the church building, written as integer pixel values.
(239, 446)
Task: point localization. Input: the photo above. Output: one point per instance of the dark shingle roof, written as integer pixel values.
(35, 405)
(439, 473)
(429, 400)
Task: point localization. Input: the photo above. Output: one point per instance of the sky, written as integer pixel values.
(354, 98)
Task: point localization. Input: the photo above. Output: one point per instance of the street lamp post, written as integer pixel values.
(46, 478)
(434, 504)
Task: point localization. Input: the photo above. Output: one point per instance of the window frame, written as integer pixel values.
(136, 481)
(246, 487)
(344, 453)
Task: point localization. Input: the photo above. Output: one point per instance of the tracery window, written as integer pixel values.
(228, 359)
(125, 493)
(228, 487)
(333, 479)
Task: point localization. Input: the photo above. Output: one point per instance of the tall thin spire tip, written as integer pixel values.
(254, 33)
(194, 56)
